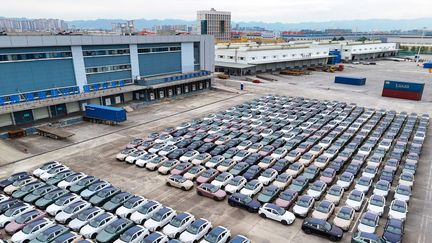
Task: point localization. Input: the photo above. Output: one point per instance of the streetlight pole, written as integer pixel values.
(420, 46)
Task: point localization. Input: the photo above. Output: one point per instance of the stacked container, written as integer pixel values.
(350, 80)
(403, 90)
(105, 113)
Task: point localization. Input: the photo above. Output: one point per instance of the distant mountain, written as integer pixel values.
(358, 25)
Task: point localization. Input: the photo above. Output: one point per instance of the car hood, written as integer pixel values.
(5, 183)
(76, 223)
(13, 227)
(254, 204)
(104, 236)
(336, 231)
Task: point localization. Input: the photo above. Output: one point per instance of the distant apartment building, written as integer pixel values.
(216, 23)
(32, 25)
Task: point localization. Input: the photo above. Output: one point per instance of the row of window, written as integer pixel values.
(274, 57)
(105, 69)
(159, 49)
(111, 52)
(34, 56)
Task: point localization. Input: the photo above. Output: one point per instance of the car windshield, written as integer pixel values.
(394, 230)
(355, 197)
(176, 222)
(327, 173)
(282, 178)
(317, 186)
(207, 173)
(71, 178)
(28, 188)
(268, 192)
(364, 182)
(303, 203)
(235, 181)
(111, 229)
(345, 178)
(334, 191)
(70, 209)
(407, 177)
(127, 236)
(28, 228)
(344, 215)
(83, 216)
(22, 219)
(250, 186)
(286, 196)
(267, 173)
(104, 193)
(298, 183)
(61, 201)
(95, 222)
(381, 186)
(45, 236)
(158, 215)
(323, 208)
(193, 229)
(117, 199)
(327, 226)
(399, 208)
(402, 192)
(10, 212)
(368, 222)
(377, 201)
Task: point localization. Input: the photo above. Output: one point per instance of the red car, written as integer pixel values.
(181, 168)
(286, 198)
(207, 176)
(211, 191)
(328, 175)
(23, 220)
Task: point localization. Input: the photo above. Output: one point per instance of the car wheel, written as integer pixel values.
(199, 193)
(93, 236)
(332, 238)
(307, 231)
(128, 215)
(167, 183)
(231, 204)
(251, 210)
(26, 241)
(67, 221)
(177, 235)
(263, 215)
(284, 222)
(183, 188)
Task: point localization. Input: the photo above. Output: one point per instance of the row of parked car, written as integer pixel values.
(276, 152)
(56, 204)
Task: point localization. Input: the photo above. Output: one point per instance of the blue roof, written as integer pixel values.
(133, 229)
(395, 223)
(163, 211)
(64, 237)
(102, 217)
(54, 228)
(32, 212)
(346, 209)
(238, 239)
(315, 221)
(104, 107)
(182, 216)
(198, 222)
(134, 199)
(153, 236)
(369, 215)
(325, 203)
(37, 222)
(217, 231)
(273, 206)
(399, 203)
(119, 222)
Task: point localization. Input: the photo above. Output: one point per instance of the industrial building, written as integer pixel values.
(216, 23)
(43, 77)
(251, 58)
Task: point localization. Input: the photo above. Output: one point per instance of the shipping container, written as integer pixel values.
(427, 65)
(105, 113)
(404, 86)
(350, 80)
(409, 95)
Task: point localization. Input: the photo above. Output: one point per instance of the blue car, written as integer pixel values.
(393, 231)
(252, 173)
(243, 201)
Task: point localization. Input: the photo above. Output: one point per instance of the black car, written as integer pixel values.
(205, 148)
(176, 154)
(194, 145)
(244, 201)
(252, 173)
(253, 159)
(281, 165)
(9, 203)
(218, 150)
(15, 177)
(184, 143)
(322, 228)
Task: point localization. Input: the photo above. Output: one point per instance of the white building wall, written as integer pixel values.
(187, 57)
(133, 48)
(79, 67)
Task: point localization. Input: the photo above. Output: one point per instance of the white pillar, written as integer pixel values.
(133, 49)
(79, 67)
(187, 57)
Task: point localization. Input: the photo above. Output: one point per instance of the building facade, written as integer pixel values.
(51, 76)
(216, 23)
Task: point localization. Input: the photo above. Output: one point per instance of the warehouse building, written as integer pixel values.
(251, 58)
(43, 77)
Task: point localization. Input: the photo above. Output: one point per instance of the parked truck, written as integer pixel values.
(104, 114)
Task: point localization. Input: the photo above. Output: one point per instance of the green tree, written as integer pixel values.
(341, 38)
(334, 39)
(362, 39)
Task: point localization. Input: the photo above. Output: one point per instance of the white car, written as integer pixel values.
(156, 163)
(303, 205)
(255, 148)
(96, 225)
(279, 153)
(214, 161)
(52, 172)
(163, 138)
(273, 211)
(3, 198)
(323, 210)
(266, 162)
(195, 231)
(178, 224)
(93, 189)
(201, 159)
(222, 179)
(218, 234)
(317, 189)
(130, 206)
(12, 213)
(125, 153)
(67, 214)
(355, 199)
(162, 217)
(364, 184)
(235, 184)
(145, 212)
(398, 210)
(402, 193)
(62, 203)
(252, 188)
(376, 204)
(84, 217)
(370, 171)
(17, 185)
(189, 156)
(45, 167)
(157, 147)
(407, 179)
(226, 165)
(241, 155)
(156, 237)
(168, 149)
(31, 230)
(141, 162)
(282, 181)
(382, 188)
(334, 194)
(134, 234)
(134, 156)
(174, 140)
(345, 180)
(368, 222)
(321, 161)
(268, 176)
(244, 145)
(71, 180)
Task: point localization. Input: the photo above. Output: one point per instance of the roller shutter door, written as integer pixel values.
(72, 107)
(5, 120)
(40, 113)
(127, 96)
(95, 101)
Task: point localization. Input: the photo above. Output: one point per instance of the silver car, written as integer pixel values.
(84, 217)
(69, 213)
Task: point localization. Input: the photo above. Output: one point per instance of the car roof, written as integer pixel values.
(134, 199)
(325, 203)
(218, 230)
(395, 222)
(370, 215)
(32, 212)
(54, 228)
(399, 203)
(153, 236)
(164, 210)
(273, 206)
(346, 209)
(134, 229)
(102, 216)
(119, 221)
(369, 236)
(314, 220)
(64, 237)
(198, 222)
(37, 222)
(182, 216)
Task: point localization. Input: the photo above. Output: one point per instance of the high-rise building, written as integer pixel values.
(216, 23)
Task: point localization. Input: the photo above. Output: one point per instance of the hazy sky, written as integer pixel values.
(242, 10)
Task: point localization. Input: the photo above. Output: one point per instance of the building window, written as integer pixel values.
(264, 57)
(230, 57)
(34, 56)
(113, 52)
(242, 58)
(144, 50)
(111, 68)
(159, 49)
(284, 55)
(274, 57)
(175, 48)
(220, 56)
(253, 58)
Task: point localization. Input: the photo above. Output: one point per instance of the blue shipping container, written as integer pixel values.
(350, 80)
(427, 65)
(405, 86)
(105, 113)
